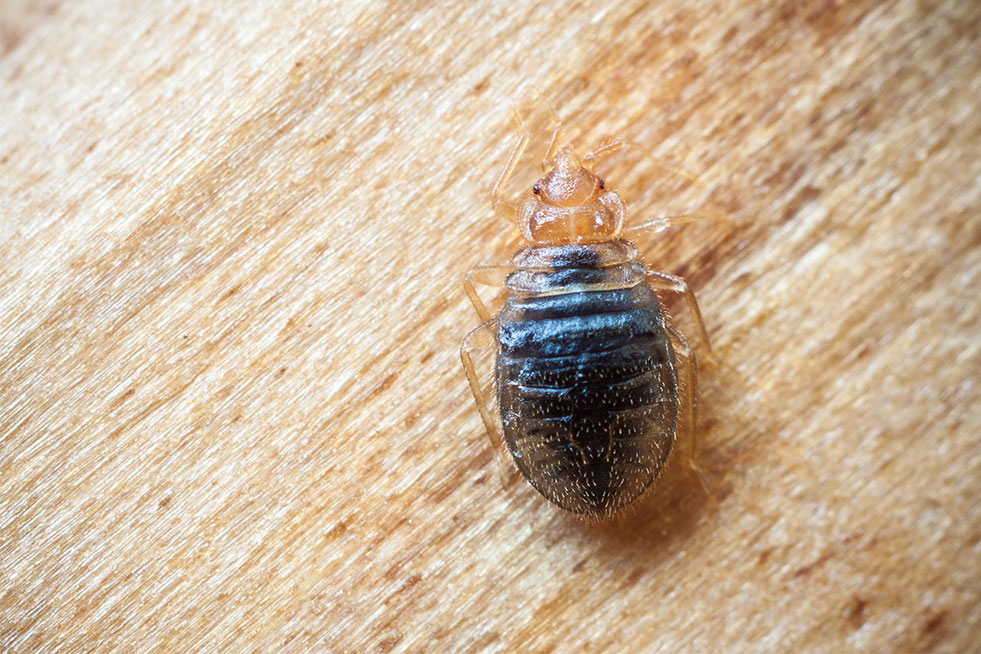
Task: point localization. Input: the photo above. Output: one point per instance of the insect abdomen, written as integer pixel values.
(587, 389)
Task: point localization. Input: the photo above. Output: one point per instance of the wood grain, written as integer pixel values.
(232, 412)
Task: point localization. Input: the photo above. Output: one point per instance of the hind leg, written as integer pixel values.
(688, 370)
(482, 338)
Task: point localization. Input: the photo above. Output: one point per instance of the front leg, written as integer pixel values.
(660, 223)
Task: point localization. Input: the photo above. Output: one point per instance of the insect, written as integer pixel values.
(587, 366)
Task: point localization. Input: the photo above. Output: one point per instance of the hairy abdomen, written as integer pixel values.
(587, 387)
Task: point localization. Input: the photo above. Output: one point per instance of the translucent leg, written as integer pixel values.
(660, 222)
(482, 337)
(489, 276)
(669, 282)
(663, 222)
(689, 370)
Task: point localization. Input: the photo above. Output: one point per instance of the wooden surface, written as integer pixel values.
(233, 416)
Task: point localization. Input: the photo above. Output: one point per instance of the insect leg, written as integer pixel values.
(488, 276)
(687, 359)
(658, 223)
(482, 336)
(669, 282)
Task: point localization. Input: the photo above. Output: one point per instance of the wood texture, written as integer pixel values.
(233, 416)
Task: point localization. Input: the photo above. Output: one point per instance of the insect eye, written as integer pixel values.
(536, 189)
(602, 184)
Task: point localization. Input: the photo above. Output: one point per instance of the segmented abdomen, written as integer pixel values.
(587, 389)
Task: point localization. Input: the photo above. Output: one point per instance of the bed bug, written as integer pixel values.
(587, 365)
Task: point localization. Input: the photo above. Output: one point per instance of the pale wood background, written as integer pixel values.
(232, 412)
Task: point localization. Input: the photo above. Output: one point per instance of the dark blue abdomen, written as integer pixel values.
(587, 388)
